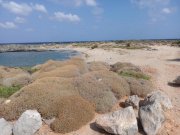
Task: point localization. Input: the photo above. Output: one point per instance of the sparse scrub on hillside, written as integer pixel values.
(6, 92)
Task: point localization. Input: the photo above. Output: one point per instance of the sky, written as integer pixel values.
(88, 20)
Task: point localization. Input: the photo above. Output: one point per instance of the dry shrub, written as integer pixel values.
(96, 66)
(43, 95)
(74, 112)
(67, 71)
(96, 92)
(120, 66)
(139, 87)
(51, 65)
(101, 88)
(13, 76)
(114, 82)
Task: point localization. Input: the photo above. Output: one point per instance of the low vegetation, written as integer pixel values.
(71, 91)
(29, 69)
(6, 92)
(134, 74)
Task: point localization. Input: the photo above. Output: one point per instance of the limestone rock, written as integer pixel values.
(5, 127)
(151, 117)
(132, 101)
(29, 122)
(121, 122)
(160, 97)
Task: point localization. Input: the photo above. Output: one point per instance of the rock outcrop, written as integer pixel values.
(5, 127)
(29, 122)
(121, 122)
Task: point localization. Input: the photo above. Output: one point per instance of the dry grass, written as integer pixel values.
(74, 112)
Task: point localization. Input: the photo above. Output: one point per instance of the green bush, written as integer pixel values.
(134, 74)
(29, 69)
(94, 46)
(6, 92)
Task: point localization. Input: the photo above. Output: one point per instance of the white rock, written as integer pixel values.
(121, 122)
(151, 117)
(7, 101)
(160, 97)
(5, 127)
(29, 122)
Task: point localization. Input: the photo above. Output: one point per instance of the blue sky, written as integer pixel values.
(82, 20)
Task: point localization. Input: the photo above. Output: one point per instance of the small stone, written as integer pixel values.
(29, 122)
(121, 122)
(5, 127)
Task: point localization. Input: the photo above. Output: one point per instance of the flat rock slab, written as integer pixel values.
(5, 127)
(29, 122)
(121, 122)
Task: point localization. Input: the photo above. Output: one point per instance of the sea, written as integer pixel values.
(32, 58)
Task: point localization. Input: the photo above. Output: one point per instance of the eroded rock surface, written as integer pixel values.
(121, 122)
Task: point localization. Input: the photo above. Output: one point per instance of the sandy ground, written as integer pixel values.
(163, 64)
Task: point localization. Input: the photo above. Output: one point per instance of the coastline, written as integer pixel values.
(160, 62)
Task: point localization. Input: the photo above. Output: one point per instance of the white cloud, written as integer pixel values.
(60, 16)
(91, 2)
(40, 8)
(157, 9)
(20, 9)
(8, 25)
(20, 20)
(167, 10)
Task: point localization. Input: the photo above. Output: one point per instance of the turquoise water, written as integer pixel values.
(20, 59)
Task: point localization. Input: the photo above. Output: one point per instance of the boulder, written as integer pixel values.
(152, 117)
(160, 97)
(121, 122)
(132, 101)
(5, 127)
(29, 122)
